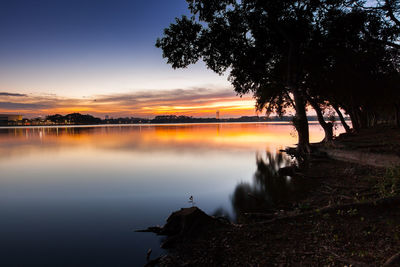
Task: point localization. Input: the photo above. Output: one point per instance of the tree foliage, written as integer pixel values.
(285, 52)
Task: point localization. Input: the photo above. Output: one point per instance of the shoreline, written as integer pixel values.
(350, 216)
(148, 124)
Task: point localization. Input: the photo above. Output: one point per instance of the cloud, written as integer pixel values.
(199, 102)
(20, 106)
(11, 94)
(195, 95)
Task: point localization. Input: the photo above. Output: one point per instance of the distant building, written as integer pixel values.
(10, 119)
(107, 117)
(217, 115)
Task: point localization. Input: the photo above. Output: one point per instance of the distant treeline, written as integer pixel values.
(80, 119)
(75, 118)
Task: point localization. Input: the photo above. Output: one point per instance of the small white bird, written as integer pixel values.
(191, 200)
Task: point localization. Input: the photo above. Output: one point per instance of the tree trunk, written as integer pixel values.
(362, 118)
(300, 120)
(354, 120)
(301, 123)
(397, 114)
(342, 120)
(328, 127)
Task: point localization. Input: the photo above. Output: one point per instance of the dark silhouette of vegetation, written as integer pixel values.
(74, 118)
(79, 119)
(356, 66)
(340, 54)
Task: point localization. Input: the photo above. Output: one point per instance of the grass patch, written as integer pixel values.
(389, 185)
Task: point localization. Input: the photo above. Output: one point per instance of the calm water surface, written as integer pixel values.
(73, 196)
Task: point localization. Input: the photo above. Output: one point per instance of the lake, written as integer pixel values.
(73, 196)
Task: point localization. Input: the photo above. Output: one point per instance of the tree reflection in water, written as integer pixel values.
(270, 189)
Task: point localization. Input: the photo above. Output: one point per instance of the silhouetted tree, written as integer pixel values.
(261, 43)
(342, 120)
(75, 118)
(326, 126)
(57, 118)
(355, 65)
(352, 63)
(287, 53)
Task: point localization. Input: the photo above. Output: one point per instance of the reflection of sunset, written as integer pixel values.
(158, 137)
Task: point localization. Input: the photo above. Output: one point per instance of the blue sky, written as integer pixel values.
(81, 48)
(98, 57)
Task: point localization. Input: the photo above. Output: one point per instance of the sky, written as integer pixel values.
(98, 57)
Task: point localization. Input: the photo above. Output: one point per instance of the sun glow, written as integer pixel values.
(191, 102)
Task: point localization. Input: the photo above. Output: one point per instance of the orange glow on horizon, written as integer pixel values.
(189, 103)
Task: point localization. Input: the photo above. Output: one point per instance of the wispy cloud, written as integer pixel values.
(193, 102)
(20, 106)
(10, 94)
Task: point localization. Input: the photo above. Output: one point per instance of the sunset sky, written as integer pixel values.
(98, 57)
